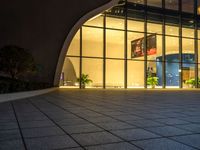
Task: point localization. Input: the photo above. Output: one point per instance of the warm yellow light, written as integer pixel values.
(198, 10)
(94, 17)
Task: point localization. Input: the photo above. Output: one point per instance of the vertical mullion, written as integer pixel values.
(180, 45)
(163, 48)
(196, 42)
(145, 45)
(104, 51)
(125, 48)
(81, 56)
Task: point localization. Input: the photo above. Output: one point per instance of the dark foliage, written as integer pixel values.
(16, 61)
(8, 85)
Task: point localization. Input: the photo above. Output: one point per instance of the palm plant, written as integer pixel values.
(191, 82)
(153, 81)
(84, 80)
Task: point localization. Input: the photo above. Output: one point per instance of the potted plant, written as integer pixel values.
(191, 82)
(84, 80)
(152, 81)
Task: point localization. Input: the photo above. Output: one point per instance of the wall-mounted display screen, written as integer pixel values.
(137, 46)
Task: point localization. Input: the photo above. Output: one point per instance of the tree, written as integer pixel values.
(16, 61)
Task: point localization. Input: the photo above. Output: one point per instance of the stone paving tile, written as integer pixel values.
(12, 145)
(151, 116)
(78, 148)
(114, 146)
(195, 128)
(71, 122)
(9, 135)
(115, 125)
(127, 117)
(134, 134)
(192, 119)
(100, 119)
(167, 131)
(8, 125)
(31, 117)
(172, 121)
(192, 140)
(35, 124)
(89, 112)
(87, 139)
(161, 144)
(51, 142)
(40, 132)
(61, 116)
(82, 128)
(145, 123)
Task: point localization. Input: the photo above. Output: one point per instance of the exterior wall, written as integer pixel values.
(42, 27)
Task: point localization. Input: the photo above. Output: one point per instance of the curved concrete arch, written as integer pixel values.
(71, 34)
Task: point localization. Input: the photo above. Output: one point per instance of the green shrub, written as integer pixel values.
(8, 85)
(152, 81)
(84, 80)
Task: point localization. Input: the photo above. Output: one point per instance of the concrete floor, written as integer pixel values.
(72, 119)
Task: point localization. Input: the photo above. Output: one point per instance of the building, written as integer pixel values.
(135, 41)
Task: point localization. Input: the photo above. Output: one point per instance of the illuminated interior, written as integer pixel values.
(121, 48)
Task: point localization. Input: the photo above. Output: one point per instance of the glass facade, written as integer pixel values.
(138, 44)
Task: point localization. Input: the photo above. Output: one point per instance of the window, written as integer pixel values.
(92, 42)
(114, 44)
(156, 3)
(114, 73)
(74, 48)
(171, 4)
(135, 74)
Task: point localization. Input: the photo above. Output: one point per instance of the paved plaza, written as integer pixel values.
(72, 119)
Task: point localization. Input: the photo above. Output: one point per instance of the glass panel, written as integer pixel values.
(115, 23)
(188, 22)
(114, 44)
(171, 30)
(188, 48)
(172, 75)
(94, 69)
(198, 7)
(198, 34)
(172, 49)
(155, 17)
(95, 21)
(188, 58)
(188, 6)
(114, 73)
(136, 1)
(188, 75)
(199, 51)
(187, 32)
(154, 28)
(156, 3)
(70, 72)
(154, 74)
(135, 25)
(135, 45)
(135, 74)
(92, 42)
(136, 14)
(171, 4)
(172, 19)
(74, 48)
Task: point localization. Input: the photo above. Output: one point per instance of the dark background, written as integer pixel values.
(41, 26)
